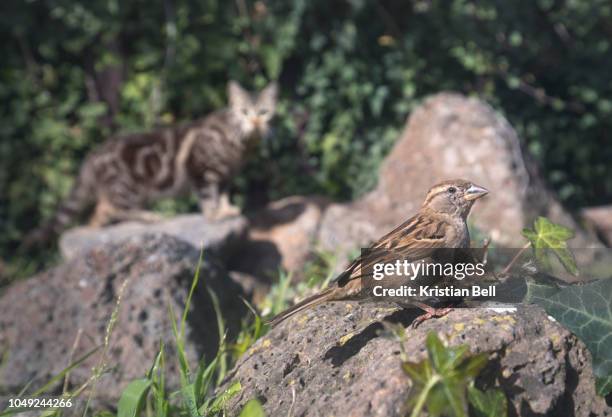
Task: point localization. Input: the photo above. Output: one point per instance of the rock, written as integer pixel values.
(219, 238)
(43, 317)
(601, 220)
(334, 360)
(281, 235)
(451, 136)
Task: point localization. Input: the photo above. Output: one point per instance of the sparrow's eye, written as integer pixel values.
(452, 190)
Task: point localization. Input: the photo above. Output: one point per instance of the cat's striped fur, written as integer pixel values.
(128, 172)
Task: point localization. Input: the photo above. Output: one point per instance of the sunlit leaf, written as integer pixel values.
(132, 398)
(252, 408)
(550, 237)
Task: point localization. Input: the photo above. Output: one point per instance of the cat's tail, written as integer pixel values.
(81, 197)
(309, 302)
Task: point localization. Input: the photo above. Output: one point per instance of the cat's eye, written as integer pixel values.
(245, 112)
(452, 190)
(262, 112)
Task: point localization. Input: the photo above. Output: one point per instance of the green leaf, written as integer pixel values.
(252, 408)
(420, 372)
(549, 236)
(437, 352)
(454, 391)
(440, 381)
(132, 398)
(492, 403)
(443, 358)
(203, 377)
(585, 310)
(219, 403)
(272, 61)
(473, 365)
(603, 385)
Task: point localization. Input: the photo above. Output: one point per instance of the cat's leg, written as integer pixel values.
(226, 208)
(103, 213)
(208, 194)
(215, 204)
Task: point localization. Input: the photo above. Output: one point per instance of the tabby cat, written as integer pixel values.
(127, 172)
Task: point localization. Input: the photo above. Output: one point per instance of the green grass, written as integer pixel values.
(198, 393)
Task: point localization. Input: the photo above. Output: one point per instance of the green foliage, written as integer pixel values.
(252, 408)
(133, 398)
(196, 385)
(492, 403)
(549, 237)
(50, 386)
(441, 383)
(74, 72)
(585, 310)
(251, 330)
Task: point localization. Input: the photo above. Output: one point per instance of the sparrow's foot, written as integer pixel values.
(430, 312)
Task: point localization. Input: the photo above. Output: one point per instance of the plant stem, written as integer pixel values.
(418, 407)
(516, 257)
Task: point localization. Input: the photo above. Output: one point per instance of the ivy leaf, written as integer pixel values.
(549, 236)
(603, 385)
(491, 403)
(440, 381)
(585, 310)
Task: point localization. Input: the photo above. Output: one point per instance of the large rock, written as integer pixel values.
(281, 235)
(218, 237)
(334, 360)
(601, 220)
(42, 318)
(452, 136)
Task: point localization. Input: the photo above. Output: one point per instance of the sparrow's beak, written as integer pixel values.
(475, 192)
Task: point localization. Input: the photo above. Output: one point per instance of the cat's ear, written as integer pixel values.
(238, 96)
(269, 94)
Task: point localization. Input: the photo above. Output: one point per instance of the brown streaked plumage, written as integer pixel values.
(128, 172)
(440, 224)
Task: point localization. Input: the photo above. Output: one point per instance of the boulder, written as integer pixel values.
(66, 311)
(218, 237)
(281, 235)
(336, 360)
(600, 218)
(452, 136)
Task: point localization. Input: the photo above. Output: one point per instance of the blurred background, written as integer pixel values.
(74, 72)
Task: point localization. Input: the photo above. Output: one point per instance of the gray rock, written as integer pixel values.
(219, 237)
(601, 220)
(281, 235)
(335, 361)
(43, 316)
(452, 136)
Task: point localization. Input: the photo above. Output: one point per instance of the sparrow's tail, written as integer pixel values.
(321, 297)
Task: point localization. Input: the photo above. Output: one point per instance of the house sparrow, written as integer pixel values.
(431, 235)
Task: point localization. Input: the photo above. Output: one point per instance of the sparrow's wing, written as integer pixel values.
(413, 240)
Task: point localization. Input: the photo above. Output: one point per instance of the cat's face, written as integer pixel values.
(252, 111)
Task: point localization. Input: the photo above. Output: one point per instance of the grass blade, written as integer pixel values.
(132, 398)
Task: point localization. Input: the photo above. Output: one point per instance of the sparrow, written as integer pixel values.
(433, 234)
